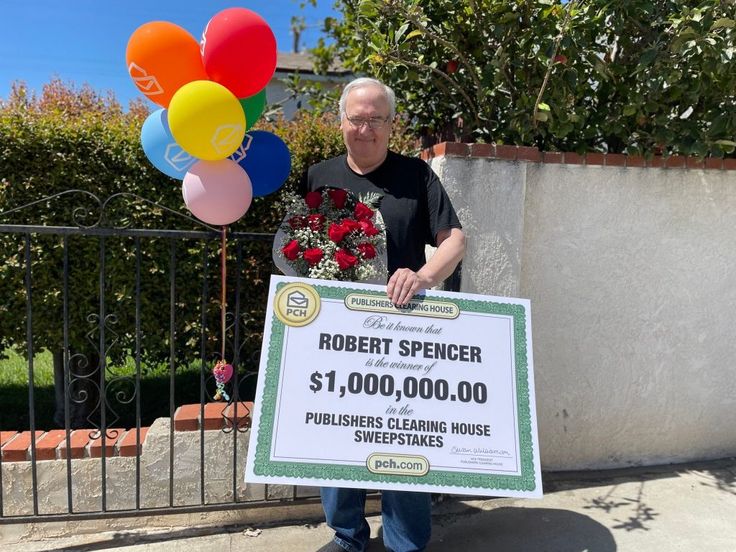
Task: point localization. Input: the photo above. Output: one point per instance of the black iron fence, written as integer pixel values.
(110, 410)
(129, 322)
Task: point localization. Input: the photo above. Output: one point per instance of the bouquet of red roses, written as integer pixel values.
(333, 235)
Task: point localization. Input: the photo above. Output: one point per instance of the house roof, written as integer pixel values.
(288, 62)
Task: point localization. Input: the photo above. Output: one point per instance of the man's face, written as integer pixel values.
(366, 146)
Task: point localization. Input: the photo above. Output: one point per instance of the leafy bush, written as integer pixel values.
(636, 76)
(76, 139)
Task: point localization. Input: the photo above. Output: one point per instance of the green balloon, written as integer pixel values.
(253, 106)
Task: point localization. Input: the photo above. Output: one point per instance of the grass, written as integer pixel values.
(14, 369)
(153, 392)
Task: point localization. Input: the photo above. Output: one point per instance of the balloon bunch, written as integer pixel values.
(211, 93)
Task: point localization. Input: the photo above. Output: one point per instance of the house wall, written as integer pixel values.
(276, 92)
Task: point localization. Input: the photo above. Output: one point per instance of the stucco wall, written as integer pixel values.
(630, 272)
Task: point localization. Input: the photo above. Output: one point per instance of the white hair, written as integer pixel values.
(364, 82)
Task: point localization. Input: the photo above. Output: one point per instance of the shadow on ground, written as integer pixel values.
(616, 498)
(512, 529)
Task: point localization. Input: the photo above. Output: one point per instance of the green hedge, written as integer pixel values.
(75, 139)
(70, 138)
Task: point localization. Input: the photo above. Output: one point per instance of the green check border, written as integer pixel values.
(525, 482)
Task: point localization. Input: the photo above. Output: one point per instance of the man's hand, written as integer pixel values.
(404, 284)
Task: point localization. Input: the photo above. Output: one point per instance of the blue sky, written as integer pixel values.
(84, 40)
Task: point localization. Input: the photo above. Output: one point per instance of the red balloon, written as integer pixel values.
(239, 51)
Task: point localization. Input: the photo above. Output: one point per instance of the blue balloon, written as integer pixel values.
(266, 159)
(161, 149)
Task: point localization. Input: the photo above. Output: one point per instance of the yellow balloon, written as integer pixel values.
(206, 120)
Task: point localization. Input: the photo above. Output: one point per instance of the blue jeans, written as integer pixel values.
(407, 522)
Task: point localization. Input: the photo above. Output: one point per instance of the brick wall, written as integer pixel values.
(532, 154)
(87, 443)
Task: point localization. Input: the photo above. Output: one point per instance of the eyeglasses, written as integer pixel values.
(373, 123)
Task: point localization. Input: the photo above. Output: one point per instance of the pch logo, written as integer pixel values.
(178, 158)
(203, 42)
(146, 83)
(297, 304)
(225, 137)
(242, 151)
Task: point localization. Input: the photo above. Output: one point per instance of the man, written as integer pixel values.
(416, 211)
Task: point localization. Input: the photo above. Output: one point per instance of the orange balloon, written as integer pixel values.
(161, 58)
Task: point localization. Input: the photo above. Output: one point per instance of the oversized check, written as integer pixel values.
(433, 396)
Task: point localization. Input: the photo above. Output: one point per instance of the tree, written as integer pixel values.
(593, 75)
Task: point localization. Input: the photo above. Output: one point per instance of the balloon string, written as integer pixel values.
(223, 287)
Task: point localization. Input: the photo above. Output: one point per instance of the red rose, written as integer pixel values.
(368, 229)
(315, 222)
(344, 259)
(313, 199)
(313, 255)
(350, 225)
(337, 232)
(291, 250)
(363, 212)
(366, 250)
(338, 197)
(296, 222)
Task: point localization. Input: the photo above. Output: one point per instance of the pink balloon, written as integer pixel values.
(217, 192)
(239, 51)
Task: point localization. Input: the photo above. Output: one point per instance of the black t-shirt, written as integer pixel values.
(415, 206)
